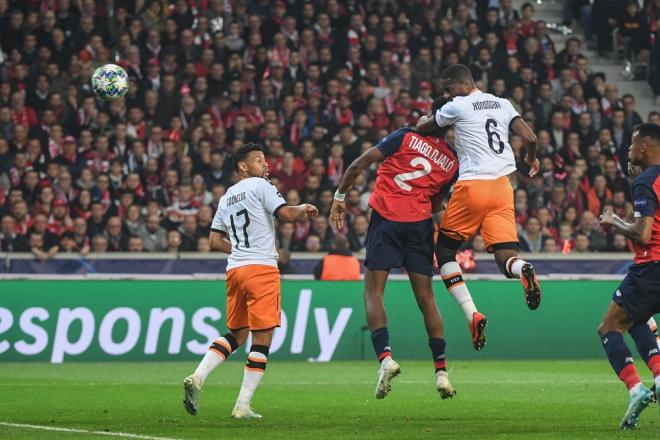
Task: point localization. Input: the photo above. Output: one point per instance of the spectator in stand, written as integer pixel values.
(339, 264)
(532, 239)
(154, 237)
(10, 241)
(315, 86)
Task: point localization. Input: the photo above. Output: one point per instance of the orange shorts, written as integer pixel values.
(253, 297)
(485, 205)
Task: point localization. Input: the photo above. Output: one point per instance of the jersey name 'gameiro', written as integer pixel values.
(431, 153)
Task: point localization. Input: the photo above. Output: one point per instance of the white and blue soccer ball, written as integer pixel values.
(110, 82)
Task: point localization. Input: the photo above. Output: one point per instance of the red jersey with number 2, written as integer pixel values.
(415, 169)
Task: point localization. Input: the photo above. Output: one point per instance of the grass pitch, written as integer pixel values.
(505, 399)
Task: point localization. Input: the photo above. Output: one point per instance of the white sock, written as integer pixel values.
(654, 328)
(251, 378)
(656, 380)
(217, 353)
(459, 291)
(514, 266)
(385, 363)
(635, 389)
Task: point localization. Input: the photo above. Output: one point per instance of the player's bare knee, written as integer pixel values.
(603, 329)
(445, 249)
(426, 301)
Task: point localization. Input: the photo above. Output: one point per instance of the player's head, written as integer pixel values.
(249, 161)
(439, 132)
(457, 80)
(645, 148)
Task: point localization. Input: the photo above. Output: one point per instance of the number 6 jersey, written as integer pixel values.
(416, 168)
(245, 213)
(481, 125)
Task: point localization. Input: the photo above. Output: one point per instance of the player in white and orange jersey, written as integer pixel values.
(483, 197)
(245, 216)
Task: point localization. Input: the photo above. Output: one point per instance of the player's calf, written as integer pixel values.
(219, 350)
(255, 367)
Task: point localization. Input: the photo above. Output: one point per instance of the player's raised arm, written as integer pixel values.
(277, 206)
(639, 232)
(357, 167)
(440, 116)
(426, 124)
(520, 127)
(297, 213)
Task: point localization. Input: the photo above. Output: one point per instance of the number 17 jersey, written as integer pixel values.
(481, 125)
(415, 169)
(245, 214)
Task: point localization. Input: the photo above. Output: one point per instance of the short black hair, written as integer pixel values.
(457, 73)
(243, 152)
(439, 132)
(648, 129)
(438, 103)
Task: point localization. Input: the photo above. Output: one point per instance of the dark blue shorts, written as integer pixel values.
(400, 244)
(639, 292)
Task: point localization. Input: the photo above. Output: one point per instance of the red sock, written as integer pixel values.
(629, 376)
(654, 365)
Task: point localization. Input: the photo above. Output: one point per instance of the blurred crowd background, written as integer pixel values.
(316, 83)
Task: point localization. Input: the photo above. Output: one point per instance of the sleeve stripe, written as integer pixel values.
(278, 208)
(219, 231)
(513, 119)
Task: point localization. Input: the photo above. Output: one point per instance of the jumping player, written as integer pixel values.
(413, 178)
(638, 296)
(483, 197)
(245, 215)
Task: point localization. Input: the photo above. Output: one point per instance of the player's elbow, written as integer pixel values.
(286, 214)
(644, 239)
(531, 138)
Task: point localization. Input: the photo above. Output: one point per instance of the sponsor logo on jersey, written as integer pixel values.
(618, 292)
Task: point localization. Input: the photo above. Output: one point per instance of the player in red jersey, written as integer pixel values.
(638, 296)
(415, 174)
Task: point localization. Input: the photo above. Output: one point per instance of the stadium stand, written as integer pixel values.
(316, 83)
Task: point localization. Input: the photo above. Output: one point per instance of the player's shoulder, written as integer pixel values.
(252, 183)
(400, 132)
(648, 177)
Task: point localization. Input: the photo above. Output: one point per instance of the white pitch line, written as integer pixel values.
(84, 431)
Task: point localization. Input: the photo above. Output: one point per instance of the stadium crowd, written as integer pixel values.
(316, 83)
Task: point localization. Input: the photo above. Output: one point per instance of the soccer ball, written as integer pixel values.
(110, 82)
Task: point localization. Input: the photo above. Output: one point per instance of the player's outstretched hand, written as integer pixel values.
(634, 170)
(534, 166)
(311, 211)
(607, 217)
(337, 214)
